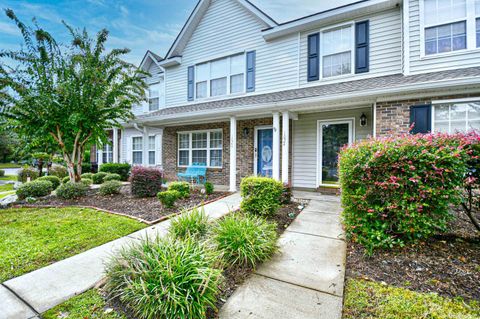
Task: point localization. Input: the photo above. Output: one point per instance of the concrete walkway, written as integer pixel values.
(29, 295)
(305, 280)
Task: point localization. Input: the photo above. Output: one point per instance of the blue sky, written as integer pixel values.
(135, 24)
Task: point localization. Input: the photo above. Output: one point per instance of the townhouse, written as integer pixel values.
(244, 94)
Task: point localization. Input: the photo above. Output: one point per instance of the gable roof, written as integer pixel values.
(149, 58)
(195, 17)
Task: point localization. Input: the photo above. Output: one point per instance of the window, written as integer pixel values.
(154, 97)
(337, 51)
(220, 77)
(457, 117)
(450, 25)
(205, 147)
(151, 150)
(137, 150)
(107, 155)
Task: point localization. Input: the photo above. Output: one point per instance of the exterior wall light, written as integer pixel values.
(245, 132)
(363, 120)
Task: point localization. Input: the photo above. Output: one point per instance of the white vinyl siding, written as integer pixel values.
(385, 47)
(420, 63)
(227, 28)
(304, 139)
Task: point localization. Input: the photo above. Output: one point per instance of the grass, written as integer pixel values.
(8, 178)
(366, 299)
(5, 194)
(87, 305)
(9, 165)
(6, 187)
(33, 238)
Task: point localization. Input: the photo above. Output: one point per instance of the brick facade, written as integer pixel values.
(219, 176)
(393, 117)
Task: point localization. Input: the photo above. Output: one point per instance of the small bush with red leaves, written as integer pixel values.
(146, 181)
(399, 190)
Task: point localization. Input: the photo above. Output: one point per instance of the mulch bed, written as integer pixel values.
(148, 209)
(448, 264)
(236, 276)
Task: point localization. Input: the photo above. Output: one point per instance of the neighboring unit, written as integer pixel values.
(245, 95)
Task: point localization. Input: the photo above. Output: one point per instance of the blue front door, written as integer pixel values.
(264, 152)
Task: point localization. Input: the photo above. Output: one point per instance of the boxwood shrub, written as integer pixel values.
(72, 190)
(261, 195)
(165, 278)
(208, 188)
(87, 175)
(52, 179)
(122, 169)
(110, 188)
(98, 177)
(34, 189)
(182, 187)
(169, 197)
(399, 190)
(58, 170)
(2, 172)
(112, 177)
(146, 181)
(26, 171)
(66, 179)
(86, 181)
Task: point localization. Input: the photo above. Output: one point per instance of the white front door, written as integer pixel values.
(332, 136)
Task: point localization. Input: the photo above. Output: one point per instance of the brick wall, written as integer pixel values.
(245, 149)
(393, 117)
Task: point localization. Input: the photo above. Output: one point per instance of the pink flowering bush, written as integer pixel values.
(399, 190)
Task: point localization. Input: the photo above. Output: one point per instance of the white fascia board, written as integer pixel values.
(170, 62)
(330, 16)
(258, 13)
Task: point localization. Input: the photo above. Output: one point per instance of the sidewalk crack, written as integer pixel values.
(21, 299)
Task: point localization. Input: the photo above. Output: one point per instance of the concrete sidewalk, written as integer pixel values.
(305, 280)
(29, 295)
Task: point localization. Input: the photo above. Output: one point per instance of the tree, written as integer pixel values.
(9, 145)
(71, 94)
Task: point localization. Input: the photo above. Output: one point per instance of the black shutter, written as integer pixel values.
(191, 84)
(250, 78)
(421, 118)
(313, 57)
(362, 47)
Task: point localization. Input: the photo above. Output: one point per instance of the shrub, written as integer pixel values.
(168, 198)
(112, 177)
(27, 171)
(34, 189)
(245, 239)
(261, 195)
(87, 168)
(52, 179)
(98, 177)
(165, 278)
(66, 179)
(86, 181)
(2, 173)
(286, 194)
(190, 224)
(399, 190)
(110, 188)
(58, 170)
(72, 190)
(87, 175)
(182, 187)
(146, 181)
(122, 169)
(208, 188)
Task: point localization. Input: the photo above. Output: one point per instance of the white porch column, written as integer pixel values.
(145, 146)
(276, 146)
(285, 145)
(99, 155)
(233, 154)
(115, 145)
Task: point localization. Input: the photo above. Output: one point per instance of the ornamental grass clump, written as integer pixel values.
(245, 239)
(190, 224)
(165, 278)
(399, 190)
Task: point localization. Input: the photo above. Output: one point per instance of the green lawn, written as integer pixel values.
(8, 178)
(9, 165)
(87, 305)
(32, 238)
(6, 187)
(370, 300)
(5, 194)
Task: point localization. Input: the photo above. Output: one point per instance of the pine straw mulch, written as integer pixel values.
(448, 264)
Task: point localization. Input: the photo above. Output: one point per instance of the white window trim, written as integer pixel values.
(451, 101)
(154, 150)
(209, 80)
(255, 146)
(109, 150)
(133, 151)
(190, 147)
(352, 50)
(470, 25)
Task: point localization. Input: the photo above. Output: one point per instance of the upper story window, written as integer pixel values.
(450, 25)
(220, 77)
(477, 21)
(337, 51)
(456, 117)
(154, 96)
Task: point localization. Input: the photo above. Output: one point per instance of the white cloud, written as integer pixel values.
(9, 28)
